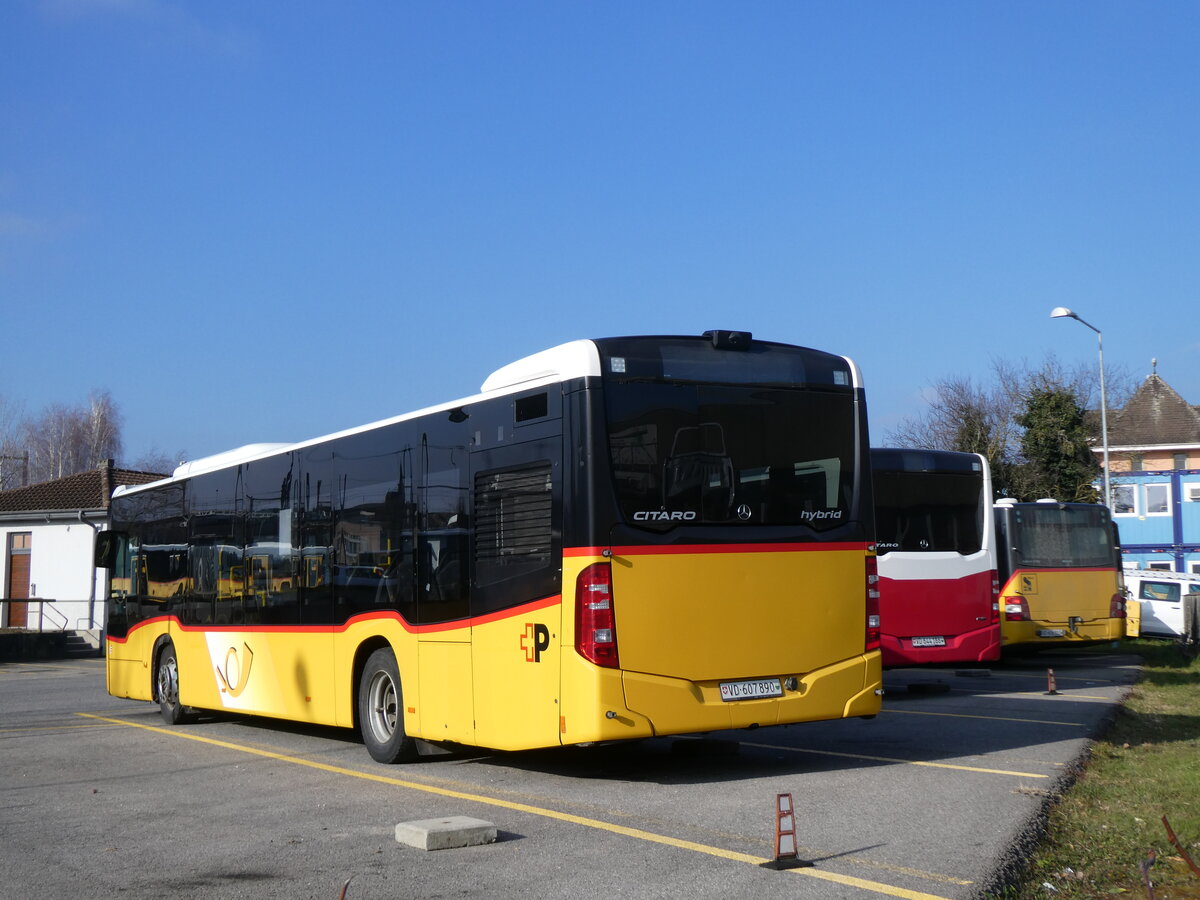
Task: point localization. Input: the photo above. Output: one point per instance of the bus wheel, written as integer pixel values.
(381, 709)
(166, 680)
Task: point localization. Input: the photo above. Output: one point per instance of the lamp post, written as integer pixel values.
(1060, 312)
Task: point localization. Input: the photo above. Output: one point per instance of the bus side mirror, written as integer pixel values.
(107, 545)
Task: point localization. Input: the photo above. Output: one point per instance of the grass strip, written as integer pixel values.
(1105, 836)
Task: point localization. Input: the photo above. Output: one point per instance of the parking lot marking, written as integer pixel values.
(22, 668)
(1041, 676)
(891, 759)
(1071, 695)
(919, 712)
(624, 830)
(66, 726)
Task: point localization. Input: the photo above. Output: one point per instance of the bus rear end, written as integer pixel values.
(937, 559)
(725, 578)
(1060, 578)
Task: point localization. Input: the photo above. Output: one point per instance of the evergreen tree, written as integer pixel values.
(1056, 445)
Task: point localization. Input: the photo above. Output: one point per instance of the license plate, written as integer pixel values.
(931, 641)
(1052, 632)
(751, 690)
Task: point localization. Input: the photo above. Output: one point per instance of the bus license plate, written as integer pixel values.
(751, 690)
(933, 641)
(1052, 632)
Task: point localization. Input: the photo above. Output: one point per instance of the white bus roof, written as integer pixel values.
(577, 359)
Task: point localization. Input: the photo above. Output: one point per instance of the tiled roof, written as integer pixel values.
(84, 490)
(1155, 414)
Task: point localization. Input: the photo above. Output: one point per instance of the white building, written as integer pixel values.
(48, 581)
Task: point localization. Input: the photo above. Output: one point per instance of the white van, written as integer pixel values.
(1161, 595)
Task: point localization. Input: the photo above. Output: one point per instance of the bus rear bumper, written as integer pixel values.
(981, 645)
(845, 689)
(1061, 634)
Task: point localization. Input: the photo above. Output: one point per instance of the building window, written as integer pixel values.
(1158, 499)
(1152, 499)
(1181, 461)
(1136, 462)
(1159, 567)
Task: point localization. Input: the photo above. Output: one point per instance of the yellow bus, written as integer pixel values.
(1060, 569)
(616, 538)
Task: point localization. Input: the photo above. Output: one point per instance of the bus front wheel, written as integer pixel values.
(381, 709)
(166, 683)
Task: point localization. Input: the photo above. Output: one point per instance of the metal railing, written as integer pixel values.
(44, 612)
(57, 620)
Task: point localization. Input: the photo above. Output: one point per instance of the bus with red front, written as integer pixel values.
(936, 545)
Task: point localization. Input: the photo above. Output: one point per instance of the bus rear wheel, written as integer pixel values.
(381, 709)
(166, 685)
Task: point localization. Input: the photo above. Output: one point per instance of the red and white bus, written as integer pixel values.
(936, 540)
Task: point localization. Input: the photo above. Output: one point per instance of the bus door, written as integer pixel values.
(442, 585)
(516, 596)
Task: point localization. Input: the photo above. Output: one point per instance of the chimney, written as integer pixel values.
(106, 486)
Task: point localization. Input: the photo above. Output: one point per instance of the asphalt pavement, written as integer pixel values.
(939, 796)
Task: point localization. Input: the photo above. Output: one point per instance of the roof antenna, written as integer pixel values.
(1154, 366)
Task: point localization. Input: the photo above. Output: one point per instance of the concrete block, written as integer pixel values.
(446, 834)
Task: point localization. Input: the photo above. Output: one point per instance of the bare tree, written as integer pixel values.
(66, 440)
(102, 435)
(155, 460)
(14, 464)
(48, 441)
(993, 420)
(970, 418)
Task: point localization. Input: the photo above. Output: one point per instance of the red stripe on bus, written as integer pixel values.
(142, 624)
(524, 610)
(658, 550)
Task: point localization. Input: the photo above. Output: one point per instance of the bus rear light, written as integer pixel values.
(1016, 608)
(595, 624)
(872, 633)
(1116, 607)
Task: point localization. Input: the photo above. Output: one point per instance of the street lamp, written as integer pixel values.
(1060, 312)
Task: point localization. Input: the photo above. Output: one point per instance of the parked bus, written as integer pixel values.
(1060, 571)
(617, 538)
(938, 589)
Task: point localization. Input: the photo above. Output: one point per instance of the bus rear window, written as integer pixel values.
(929, 511)
(708, 454)
(693, 360)
(1062, 537)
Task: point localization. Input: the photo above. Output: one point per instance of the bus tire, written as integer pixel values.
(381, 709)
(166, 687)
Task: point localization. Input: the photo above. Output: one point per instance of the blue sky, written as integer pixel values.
(255, 221)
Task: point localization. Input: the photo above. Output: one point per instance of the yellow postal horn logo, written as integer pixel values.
(236, 673)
